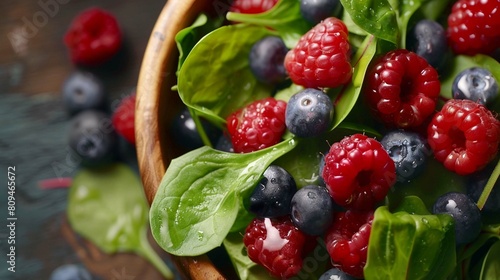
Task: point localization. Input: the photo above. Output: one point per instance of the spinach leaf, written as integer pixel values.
(107, 206)
(434, 9)
(187, 38)
(215, 78)
(375, 17)
(199, 197)
(284, 17)
(345, 99)
(410, 243)
(491, 263)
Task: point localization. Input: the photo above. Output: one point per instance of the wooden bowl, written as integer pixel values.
(157, 105)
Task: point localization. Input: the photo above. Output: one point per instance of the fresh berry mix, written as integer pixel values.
(83, 90)
(474, 27)
(321, 57)
(273, 194)
(312, 209)
(123, 118)
(465, 213)
(358, 172)
(464, 135)
(335, 274)
(266, 60)
(476, 84)
(347, 240)
(277, 245)
(185, 133)
(315, 11)
(309, 113)
(70, 272)
(252, 6)
(93, 37)
(259, 125)
(428, 40)
(409, 151)
(402, 89)
(93, 138)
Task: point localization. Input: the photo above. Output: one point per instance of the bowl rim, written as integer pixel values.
(151, 87)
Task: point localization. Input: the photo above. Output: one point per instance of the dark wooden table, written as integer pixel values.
(33, 127)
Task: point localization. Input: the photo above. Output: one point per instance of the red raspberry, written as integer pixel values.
(93, 38)
(474, 26)
(258, 125)
(321, 57)
(278, 245)
(402, 89)
(252, 6)
(464, 135)
(123, 118)
(347, 240)
(358, 172)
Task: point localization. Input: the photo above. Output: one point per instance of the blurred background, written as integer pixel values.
(34, 62)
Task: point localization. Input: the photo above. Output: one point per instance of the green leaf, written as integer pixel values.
(216, 78)
(285, 17)
(199, 197)
(410, 244)
(405, 12)
(434, 9)
(491, 263)
(375, 17)
(345, 99)
(107, 206)
(187, 38)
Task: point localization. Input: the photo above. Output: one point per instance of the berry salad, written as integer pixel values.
(358, 140)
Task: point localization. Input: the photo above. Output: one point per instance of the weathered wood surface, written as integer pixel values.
(33, 128)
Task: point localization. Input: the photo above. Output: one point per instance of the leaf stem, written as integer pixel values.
(489, 186)
(145, 250)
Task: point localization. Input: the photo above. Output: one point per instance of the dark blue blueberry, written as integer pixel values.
(312, 209)
(93, 139)
(273, 194)
(224, 144)
(83, 91)
(409, 151)
(309, 113)
(475, 186)
(476, 84)
(70, 272)
(336, 274)
(267, 58)
(428, 39)
(465, 213)
(186, 134)
(315, 11)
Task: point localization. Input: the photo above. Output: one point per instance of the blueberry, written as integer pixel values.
(267, 58)
(465, 213)
(476, 84)
(409, 151)
(224, 144)
(428, 39)
(475, 186)
(312, 209)
(186, 134)
(315, 11)
(70, 272)
(93, 138)
(309, 113)
(83, 91)
(273, 194)
(335, 274)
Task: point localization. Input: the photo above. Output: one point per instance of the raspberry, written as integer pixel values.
(93, 38)
(321, 57)
(358, 172)
(474, 27)
(277, 245)
(464, 136)
(347, 240)
(123, 118)
(402, 89)
(252, 6)
(258, 125)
